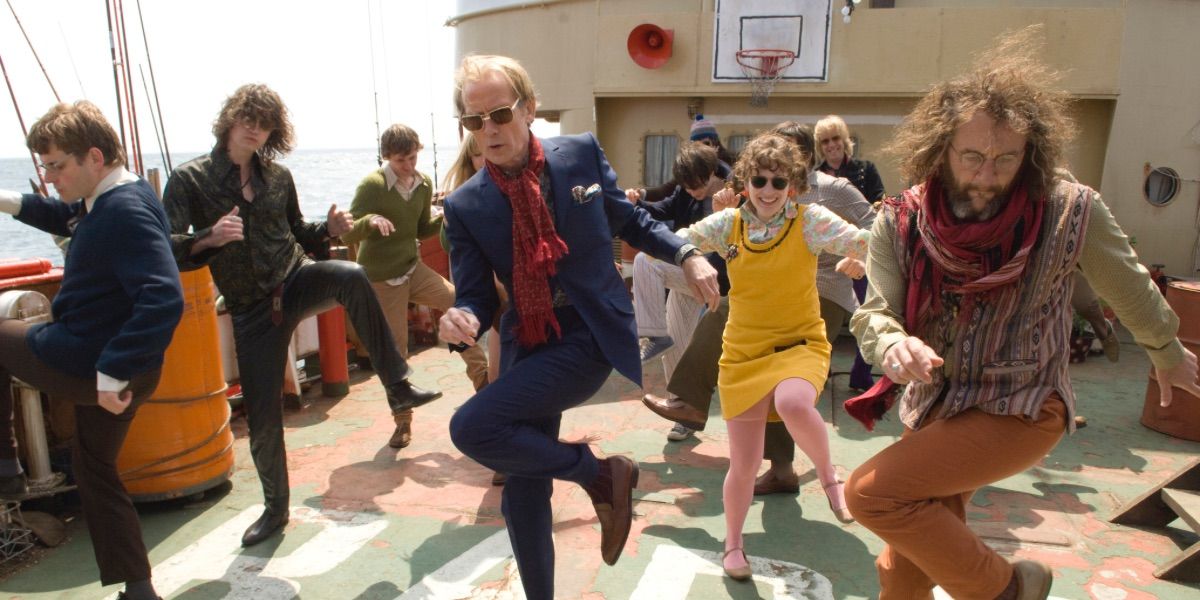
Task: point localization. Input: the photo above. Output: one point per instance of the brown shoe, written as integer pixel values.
(499, 478)
(402, 436)
(1033, 579)
(612, 497)
(768, 483)
(674, 409)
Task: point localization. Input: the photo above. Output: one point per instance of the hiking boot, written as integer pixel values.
(402, 436)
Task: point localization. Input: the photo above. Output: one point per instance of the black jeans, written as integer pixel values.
(111, 519)
(262, 349)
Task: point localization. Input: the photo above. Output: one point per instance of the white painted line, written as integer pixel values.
(672, 571)
(455, 578)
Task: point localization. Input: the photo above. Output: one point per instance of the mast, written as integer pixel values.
(33, 50)
(24, 131)
(112, 46)
(166, 149)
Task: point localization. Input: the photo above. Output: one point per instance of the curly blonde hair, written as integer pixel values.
(1009, 84)
(776, 153)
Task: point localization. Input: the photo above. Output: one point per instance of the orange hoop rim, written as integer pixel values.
(770, 60)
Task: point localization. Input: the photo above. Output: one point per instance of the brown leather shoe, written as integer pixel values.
(612, 497)
(674, 409)
(768, 483)
(1033, 579)
(402, 436)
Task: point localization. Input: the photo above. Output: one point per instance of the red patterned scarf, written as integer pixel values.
(536, 248)
(971, 258)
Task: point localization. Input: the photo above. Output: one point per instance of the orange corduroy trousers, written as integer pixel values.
(913, 495)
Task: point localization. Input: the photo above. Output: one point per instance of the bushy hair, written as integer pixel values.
(1009, 84)
(74, 129)
(258, 104)
(776, 153)
(694, 165)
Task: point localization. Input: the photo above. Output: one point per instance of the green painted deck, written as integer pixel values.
(369, 522)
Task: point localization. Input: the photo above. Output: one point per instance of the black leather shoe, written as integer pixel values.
(264, 527)
(403, 395)
(122, 596)
(14, 487)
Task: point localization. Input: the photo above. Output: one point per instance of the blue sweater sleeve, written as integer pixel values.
(48, 214)
(145, 268)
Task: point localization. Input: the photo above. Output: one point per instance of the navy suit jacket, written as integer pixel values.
(479, 227)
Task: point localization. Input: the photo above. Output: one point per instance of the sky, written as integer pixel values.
(318, 56)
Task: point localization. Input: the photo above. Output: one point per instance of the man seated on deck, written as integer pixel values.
(114, 316)
(268, 282)
(665, 321)
(541, 215)
(969, 304)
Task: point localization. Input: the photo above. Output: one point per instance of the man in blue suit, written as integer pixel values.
(541, 216)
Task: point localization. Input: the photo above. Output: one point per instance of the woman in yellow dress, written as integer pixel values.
(774, 353)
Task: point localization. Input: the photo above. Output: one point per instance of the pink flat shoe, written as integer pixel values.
(737, 573)
(835, 494)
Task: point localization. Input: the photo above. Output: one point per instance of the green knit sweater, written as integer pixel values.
(392, 256)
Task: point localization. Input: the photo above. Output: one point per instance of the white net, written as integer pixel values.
(763, 68)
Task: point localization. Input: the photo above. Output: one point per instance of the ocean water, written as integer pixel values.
(323, 177)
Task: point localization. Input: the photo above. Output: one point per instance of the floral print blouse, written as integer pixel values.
(824, 231)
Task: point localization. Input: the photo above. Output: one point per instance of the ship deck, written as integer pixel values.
(369, 522)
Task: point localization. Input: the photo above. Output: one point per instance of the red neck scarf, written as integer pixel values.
(536, 248)
(972, 258)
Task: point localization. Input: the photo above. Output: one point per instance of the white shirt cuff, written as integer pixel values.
(104, 383)
(10, 202)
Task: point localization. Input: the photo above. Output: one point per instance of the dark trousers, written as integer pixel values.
(511, 426)
(860, 373)
(262, 349)
(111, 519)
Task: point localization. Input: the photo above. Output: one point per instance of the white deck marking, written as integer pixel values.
(218, 555)
(454, 579)
(672, 570)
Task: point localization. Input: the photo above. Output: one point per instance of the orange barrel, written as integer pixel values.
(180, 442)
(1181, 419)
(1184, 298)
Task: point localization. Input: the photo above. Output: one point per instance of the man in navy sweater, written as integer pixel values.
(113, 318)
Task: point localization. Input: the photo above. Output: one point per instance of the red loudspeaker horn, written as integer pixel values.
(650, 45)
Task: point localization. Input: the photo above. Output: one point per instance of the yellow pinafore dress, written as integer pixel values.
(775, 331)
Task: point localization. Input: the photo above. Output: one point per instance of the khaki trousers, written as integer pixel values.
(914, 494)
(426, 288)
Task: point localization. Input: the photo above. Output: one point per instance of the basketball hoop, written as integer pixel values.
(763, 67)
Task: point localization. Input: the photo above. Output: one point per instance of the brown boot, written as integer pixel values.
(676, 410)
(402, 436)
(769, 483)
(612, 497)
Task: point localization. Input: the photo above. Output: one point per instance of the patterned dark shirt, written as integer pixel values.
(206, 188)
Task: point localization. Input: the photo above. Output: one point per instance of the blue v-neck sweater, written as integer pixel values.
(120, 298)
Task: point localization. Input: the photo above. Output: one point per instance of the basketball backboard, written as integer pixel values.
(800, 26)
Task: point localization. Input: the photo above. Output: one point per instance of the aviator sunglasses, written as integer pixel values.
(500, 116)
(779, 183)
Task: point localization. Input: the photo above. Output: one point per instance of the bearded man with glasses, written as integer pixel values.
(541, 215)
(969, 307)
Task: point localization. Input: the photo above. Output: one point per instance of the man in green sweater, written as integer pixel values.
(392, 213)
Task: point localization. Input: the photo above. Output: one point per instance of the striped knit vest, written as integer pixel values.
(1012, 351)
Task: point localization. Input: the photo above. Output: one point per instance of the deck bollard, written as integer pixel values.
(335, 372)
